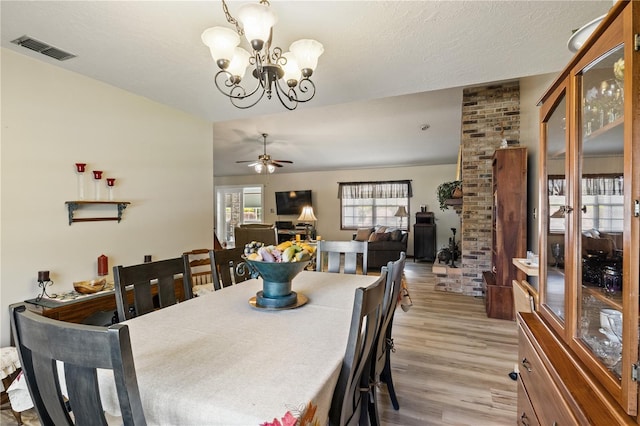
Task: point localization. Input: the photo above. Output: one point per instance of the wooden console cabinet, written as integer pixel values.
(577, 366)
(508, 229)
(77, 311)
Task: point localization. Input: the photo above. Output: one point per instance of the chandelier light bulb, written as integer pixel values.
(222, 42)
(307, 52)
(271, 168)
(291, 69)
(258, 167)
(257, 20)
(238, 65)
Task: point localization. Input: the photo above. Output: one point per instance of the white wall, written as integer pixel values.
(326, 205)
(162, 159)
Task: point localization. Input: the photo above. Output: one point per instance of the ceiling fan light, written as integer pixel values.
(307, 52)
(271, 168)
(258, 167)
(257, 21)
(221, 41)
(238, 65)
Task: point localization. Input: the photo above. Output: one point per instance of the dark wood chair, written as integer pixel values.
(197, 266)
(381, 357)
(162, 273)
(349, 402)
(332, 253)
(225, 271)
(42, 341)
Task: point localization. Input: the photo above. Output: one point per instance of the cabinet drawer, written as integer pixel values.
(526, 414)
(550, 406)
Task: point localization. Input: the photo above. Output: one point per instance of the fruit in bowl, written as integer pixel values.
(282, 253)
(90, 287)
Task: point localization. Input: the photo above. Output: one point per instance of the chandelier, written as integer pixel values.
(285, 74)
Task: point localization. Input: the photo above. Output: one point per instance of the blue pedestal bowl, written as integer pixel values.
(276, 288)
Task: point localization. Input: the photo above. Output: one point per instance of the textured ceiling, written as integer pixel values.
(381, 77)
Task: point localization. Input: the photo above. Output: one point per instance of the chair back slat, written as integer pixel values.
(349, 402)
(337, 255)
(226, 261)
(162, 273)
(198, 267)
(380, 364)
(82, 349)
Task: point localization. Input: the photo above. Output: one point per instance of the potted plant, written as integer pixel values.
(447, 191)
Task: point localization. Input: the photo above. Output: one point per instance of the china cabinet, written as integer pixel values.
(580, 346)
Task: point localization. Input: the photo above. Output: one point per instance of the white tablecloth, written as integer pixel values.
(215, 360)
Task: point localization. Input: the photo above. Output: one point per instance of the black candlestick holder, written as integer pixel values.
(43, 284)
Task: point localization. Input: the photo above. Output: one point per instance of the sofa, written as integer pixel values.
(384, 244)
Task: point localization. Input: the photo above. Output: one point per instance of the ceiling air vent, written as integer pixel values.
(44, 48)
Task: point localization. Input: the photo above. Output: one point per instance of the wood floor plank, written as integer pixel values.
(451, 362)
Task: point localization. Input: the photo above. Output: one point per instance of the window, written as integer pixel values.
(602, 203)
(364, 204)
(237, 205)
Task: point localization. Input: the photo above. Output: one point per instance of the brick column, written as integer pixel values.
(486, 112)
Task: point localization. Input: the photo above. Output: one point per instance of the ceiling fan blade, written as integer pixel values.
(255, 163)
(276, 164)
(244, 161)
(283, 161)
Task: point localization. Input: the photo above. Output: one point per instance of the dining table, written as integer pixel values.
(219, 360)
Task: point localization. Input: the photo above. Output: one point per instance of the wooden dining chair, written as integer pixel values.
(349, 402)
(42, 341)
(331, 256)
(162, 274)
(226, 272)
(383, 346)
(197, 267)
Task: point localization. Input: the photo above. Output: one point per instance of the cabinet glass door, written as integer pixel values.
(555, 131)
(600, 210)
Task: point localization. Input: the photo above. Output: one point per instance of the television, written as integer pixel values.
(292, 202)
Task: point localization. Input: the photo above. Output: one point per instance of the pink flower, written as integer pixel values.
(288, 420)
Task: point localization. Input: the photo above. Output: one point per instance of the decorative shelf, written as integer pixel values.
(72, 206)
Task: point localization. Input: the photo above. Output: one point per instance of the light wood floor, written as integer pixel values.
(451, 363)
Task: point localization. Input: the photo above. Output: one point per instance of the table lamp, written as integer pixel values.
(401, 212)
(306, 215)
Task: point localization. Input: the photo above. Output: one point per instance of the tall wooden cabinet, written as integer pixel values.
(508, 229)
(580, 345)
(424, 237)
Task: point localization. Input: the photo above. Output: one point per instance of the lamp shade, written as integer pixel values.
(291, 69)
(307, 52)
(239, 63)
(257, 20)
(401, 212)
(221, 41)
(307, 214)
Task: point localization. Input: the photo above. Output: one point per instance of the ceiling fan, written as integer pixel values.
(265, 163)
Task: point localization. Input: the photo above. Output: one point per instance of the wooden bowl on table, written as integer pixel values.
(90, 287)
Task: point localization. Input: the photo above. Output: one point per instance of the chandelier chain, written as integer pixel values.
(231, 19)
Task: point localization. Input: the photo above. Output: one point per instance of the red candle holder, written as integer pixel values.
(110, 183)
(80, 168)
(97, 176)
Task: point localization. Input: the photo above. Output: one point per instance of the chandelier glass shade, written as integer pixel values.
(285, 74)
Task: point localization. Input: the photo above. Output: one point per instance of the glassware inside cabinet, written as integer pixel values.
(555, 135)
(600, 212)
